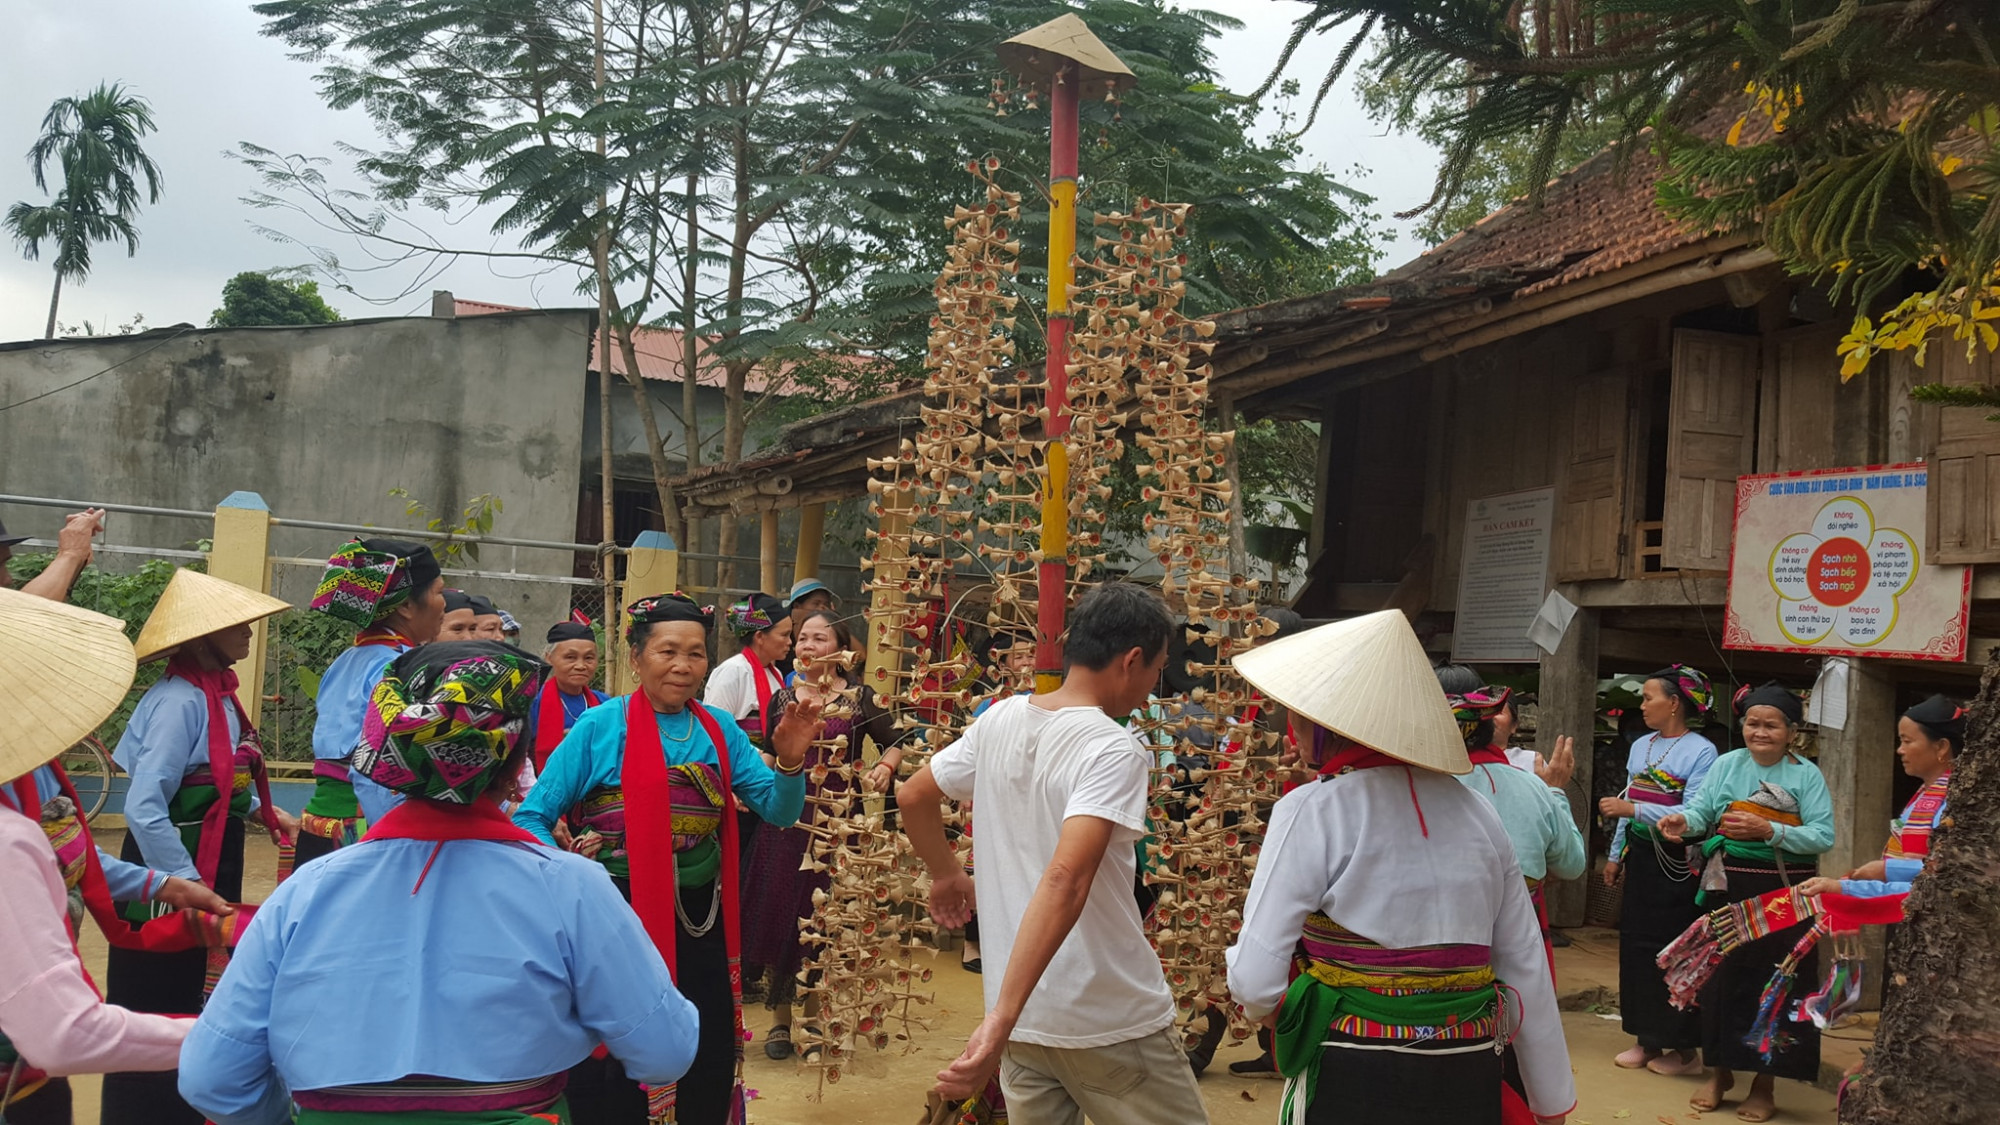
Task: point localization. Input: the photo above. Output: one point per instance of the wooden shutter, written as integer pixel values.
(1711, 440)
(1961, 524)
(1590, 490)
(1801, 380)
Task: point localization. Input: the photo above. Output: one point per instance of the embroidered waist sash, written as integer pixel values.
(420, 1093)
(697, 803)
(1350, 986)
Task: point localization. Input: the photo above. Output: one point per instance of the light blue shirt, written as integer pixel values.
(344, 695)
(127, 882)
(343, 698)
(166, 740)
(592, 755)
(511, 962)
(1898, 872)
(1735, 778)
(1546, 840)
(1688, 758)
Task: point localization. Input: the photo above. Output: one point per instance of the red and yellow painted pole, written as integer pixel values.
(1052, 595)
(1063, 55)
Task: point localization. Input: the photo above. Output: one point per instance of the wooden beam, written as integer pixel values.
(1568, 707)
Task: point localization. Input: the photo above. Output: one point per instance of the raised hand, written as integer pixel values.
(801, 723)
(1556, 770)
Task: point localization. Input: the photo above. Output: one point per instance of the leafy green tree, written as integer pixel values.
(769, 175)
(94, 141)
(251, 299)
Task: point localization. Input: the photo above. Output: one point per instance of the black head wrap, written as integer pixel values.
(423, 567)
(1940, 718)
(1772, 695)
(570, 631)
(648, 612)
(482, 606)
(455, 600)
(754, 615)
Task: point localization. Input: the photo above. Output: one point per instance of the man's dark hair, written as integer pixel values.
(1113, 619)
(1287, 621)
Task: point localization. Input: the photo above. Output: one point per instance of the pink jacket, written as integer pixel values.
(47, 1008)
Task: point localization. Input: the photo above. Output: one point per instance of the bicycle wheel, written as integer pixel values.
(90, 770)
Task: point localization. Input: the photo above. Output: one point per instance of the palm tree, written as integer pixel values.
(94, 140)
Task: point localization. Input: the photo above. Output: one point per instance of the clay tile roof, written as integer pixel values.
(659, 351)
(1599, 216)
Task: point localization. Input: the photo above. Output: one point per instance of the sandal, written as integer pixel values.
(1635, 1057)
(1677, 1064)
(778, 1042)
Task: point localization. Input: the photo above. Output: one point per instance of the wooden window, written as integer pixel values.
(1801, 381)
(1590, 494)
(1961, 523)
(1711, 440)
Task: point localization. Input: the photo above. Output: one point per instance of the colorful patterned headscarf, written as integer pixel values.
(753, 615)
(366, 579)
(446, 717)
(1691, 686)
(648, 612)
(1476, 707)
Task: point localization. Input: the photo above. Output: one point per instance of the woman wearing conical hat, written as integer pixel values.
(196, 771)
(1387, 915)
(62, 671)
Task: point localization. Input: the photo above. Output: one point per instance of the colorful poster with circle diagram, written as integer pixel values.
(1832, 562)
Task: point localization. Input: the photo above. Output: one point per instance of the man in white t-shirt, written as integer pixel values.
(1078, 1020)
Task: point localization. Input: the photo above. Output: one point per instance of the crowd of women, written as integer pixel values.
(625, 872)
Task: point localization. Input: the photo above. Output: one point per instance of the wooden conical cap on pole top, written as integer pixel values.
(1037, 53)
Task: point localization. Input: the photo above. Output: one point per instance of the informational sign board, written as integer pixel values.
(1831, 562)
(1502, 576)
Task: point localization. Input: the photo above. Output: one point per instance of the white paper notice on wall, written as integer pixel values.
(1551, 622)
(1828, 707)
(1503, 565)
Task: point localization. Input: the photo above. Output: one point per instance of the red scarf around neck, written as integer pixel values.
(1358, 757)
(763, 681)
(549, 730)
(1488, 756)
(383, 635)
(418, 819)
(649, 829)
(217, 686)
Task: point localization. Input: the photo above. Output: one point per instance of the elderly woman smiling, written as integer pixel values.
(645, 785)
(1772, 816)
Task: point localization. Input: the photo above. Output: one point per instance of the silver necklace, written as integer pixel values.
(686, 733)
(714, 906)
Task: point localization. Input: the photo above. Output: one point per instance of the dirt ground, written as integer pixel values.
(888, 1087)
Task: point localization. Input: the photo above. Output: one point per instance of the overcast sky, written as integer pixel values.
(214, 81)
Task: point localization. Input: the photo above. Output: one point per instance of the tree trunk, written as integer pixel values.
(655, 444)
(54, 297)
(1937, 1049)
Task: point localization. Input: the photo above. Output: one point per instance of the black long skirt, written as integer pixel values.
(307, 847)
(599, 1091)
(167, 983)
(1730, 998)
(1372, 1087)
(1658, 908)
(48, 1105)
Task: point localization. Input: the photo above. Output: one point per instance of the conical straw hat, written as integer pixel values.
(62, 670)
(1366, 678)
(195, 605)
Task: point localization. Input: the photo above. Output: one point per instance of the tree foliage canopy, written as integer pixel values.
(250, 299)
(1859, 136)
(95, 143)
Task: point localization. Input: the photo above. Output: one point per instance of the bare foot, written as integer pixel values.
(1761, 1105)
(1635, 1057)
(1676, 1064)
(1711, 1092)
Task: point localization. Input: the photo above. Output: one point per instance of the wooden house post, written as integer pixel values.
(1568, 706)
